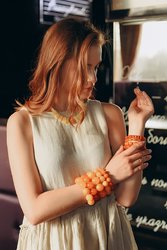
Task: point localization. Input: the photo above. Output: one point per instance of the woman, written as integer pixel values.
(60, 134)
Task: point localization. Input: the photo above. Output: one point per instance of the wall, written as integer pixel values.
(20, 38)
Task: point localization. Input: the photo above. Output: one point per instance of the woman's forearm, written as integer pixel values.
(51, 204)
(136, 127)
(128, 190)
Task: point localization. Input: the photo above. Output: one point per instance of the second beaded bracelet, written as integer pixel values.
(132, 139)
(95, 185)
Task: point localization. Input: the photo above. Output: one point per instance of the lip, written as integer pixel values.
(88, 88)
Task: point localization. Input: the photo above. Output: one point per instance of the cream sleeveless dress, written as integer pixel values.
(62, 153)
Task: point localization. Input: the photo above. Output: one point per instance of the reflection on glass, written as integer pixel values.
(140, 51)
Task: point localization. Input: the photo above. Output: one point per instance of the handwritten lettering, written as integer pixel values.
(144, 181)
(155, 224)
(129, 216)
(52, 6)
(153, 117)
(158, 117)
(159, 183)
(154, 139)
(165, 205)
(125, 112)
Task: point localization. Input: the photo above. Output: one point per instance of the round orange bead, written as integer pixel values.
(95, 180)
(90, 185)
(86, 191)
(84, 176)
(105, 183)
(102, 194)
(90, 174)
(89, 197)
(93, 191)
(108, 190)
(98, 174)
(82, 184)
(102, 178)
(91, 202)
(108, 179)
(110, 184)
(105, 175)
(78, 180)
(103, 171)
(86, 179)
(99, 187)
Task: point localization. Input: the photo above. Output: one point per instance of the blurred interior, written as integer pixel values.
(136, 56)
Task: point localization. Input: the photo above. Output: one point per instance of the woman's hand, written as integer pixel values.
(125, 163)
(141, 108)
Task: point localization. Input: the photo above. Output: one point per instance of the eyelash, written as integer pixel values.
(96, 68)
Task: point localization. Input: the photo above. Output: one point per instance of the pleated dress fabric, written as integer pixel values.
(63, 153)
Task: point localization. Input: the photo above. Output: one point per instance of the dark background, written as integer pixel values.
(21, 34)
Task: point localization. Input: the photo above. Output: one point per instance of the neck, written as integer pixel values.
(61, 105)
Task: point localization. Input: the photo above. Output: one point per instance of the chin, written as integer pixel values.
(86, 95)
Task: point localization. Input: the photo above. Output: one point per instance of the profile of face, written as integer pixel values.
(94, 58)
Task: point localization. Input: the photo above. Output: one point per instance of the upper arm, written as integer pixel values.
(21, 157)
(116, 125)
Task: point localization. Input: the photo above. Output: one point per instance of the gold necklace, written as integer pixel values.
(65, 119)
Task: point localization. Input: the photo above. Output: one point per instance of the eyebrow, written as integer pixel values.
(96, 64)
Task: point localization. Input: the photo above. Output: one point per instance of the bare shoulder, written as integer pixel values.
(112, 110)
(19, 121)
(116, 125)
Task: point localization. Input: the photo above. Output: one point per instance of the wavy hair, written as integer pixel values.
(69, 38)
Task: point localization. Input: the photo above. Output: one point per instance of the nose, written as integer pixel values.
(92, 77)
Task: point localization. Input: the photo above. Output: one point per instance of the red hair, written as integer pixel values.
(67, 39)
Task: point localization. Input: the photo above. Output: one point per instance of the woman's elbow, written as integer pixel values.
(127, 202)
(34, 217)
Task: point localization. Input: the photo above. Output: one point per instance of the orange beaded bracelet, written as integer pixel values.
(132, 139)
(96, 185)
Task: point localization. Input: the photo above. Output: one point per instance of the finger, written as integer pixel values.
(140, 168)
(142, 94)
(137, 91)
(139, 94)
(137, 163)
(142, 100)
(146, 158)
(140, 154)
(148, 99)
(142, 97)
(134, 104)
(135, 148)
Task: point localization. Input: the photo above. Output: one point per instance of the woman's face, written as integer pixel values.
(93, 61)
